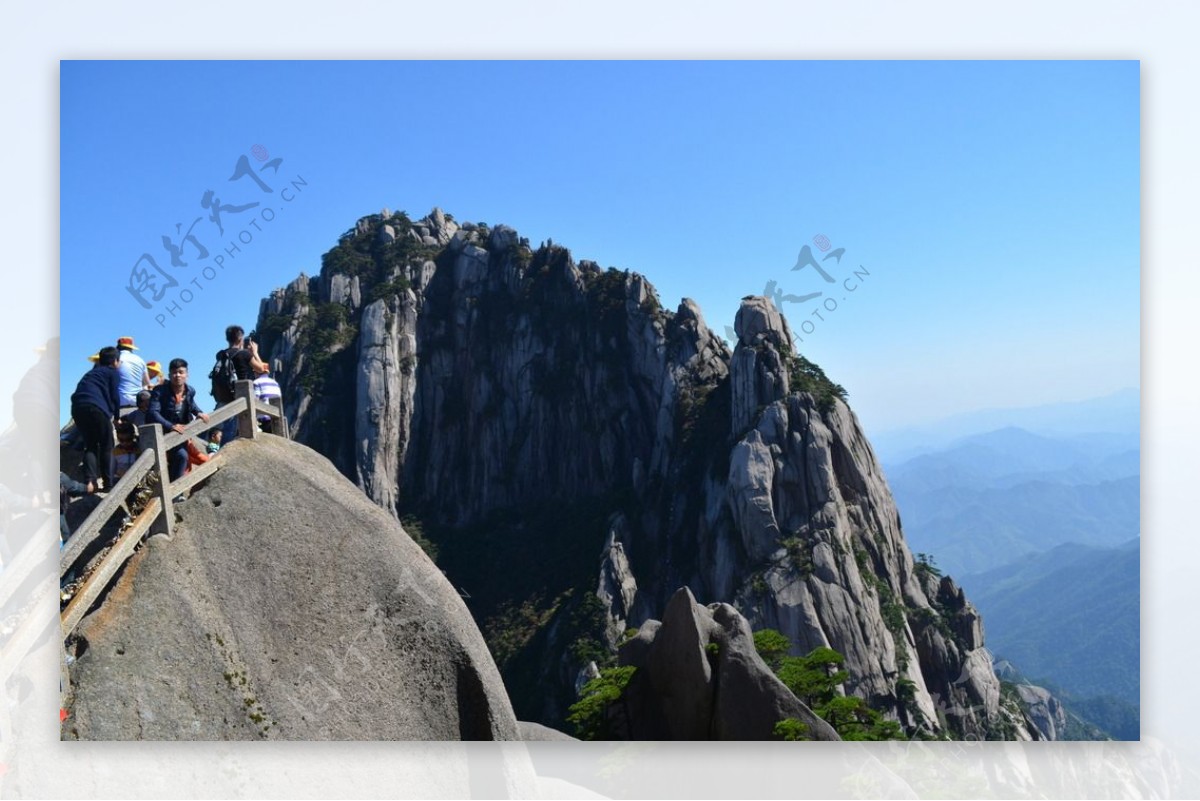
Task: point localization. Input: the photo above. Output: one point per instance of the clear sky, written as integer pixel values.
(991, 209)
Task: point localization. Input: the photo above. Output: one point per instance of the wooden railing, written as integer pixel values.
(158, 514)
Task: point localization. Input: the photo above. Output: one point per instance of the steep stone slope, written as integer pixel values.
(286, 606)
(536, 412)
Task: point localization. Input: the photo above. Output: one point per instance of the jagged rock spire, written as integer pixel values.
(759, 368)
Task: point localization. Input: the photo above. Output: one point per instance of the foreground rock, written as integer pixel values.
(537, 733)
(287, 606)
(699, 677)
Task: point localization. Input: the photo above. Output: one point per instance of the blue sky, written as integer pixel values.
(994, 205)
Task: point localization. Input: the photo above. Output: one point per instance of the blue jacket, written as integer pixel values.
(166, 412)
(99, 387)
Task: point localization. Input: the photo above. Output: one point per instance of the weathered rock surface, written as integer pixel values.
(537, 733)
(699, 678)
(344, 290)
(617, 587)
(760, 375)
(1044, 710)
(286, 606)
(385, 388)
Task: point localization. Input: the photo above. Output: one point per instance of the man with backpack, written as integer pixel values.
(237, 362)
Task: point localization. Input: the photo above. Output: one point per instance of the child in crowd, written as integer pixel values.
(126, 452)
(266, 389)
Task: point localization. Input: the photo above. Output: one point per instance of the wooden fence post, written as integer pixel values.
(248, 419)
(151, 436)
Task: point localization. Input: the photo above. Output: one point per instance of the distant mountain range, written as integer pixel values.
(1115, 414)
(1042, 531)
(997, 496)
(1011, 455)
(1070, 613)
(1069, 618)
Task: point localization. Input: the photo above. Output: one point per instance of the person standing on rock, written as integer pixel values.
(95, 406)
(242, 355)
(134, 375)
(266, 389)
(173, 406)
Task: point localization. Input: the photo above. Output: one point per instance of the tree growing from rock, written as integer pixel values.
(816, 679)
(588, 714)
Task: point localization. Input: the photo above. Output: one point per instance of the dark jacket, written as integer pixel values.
(68, 488)
(99, 388)
(166, 412)
(139, 418)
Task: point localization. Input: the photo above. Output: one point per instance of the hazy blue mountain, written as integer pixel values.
(1038, 520)
(1120, 719)
(993, 497)
(1115, 414)
(1011, 455)
(1100, 717)
(970, 531)
(1069, 618)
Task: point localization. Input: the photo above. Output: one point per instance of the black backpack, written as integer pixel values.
(223, 376)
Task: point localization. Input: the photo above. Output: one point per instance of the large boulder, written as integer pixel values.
(699, 677)
(285, 606)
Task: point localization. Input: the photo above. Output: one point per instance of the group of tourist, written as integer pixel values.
(123, 392)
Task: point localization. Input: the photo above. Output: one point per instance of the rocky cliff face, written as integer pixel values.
(458, 375)
(1044, 710)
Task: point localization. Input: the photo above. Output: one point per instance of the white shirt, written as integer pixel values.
(133, 368)
(266, 389)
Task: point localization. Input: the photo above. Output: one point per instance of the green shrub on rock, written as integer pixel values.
(587, 714)
(815, 679)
